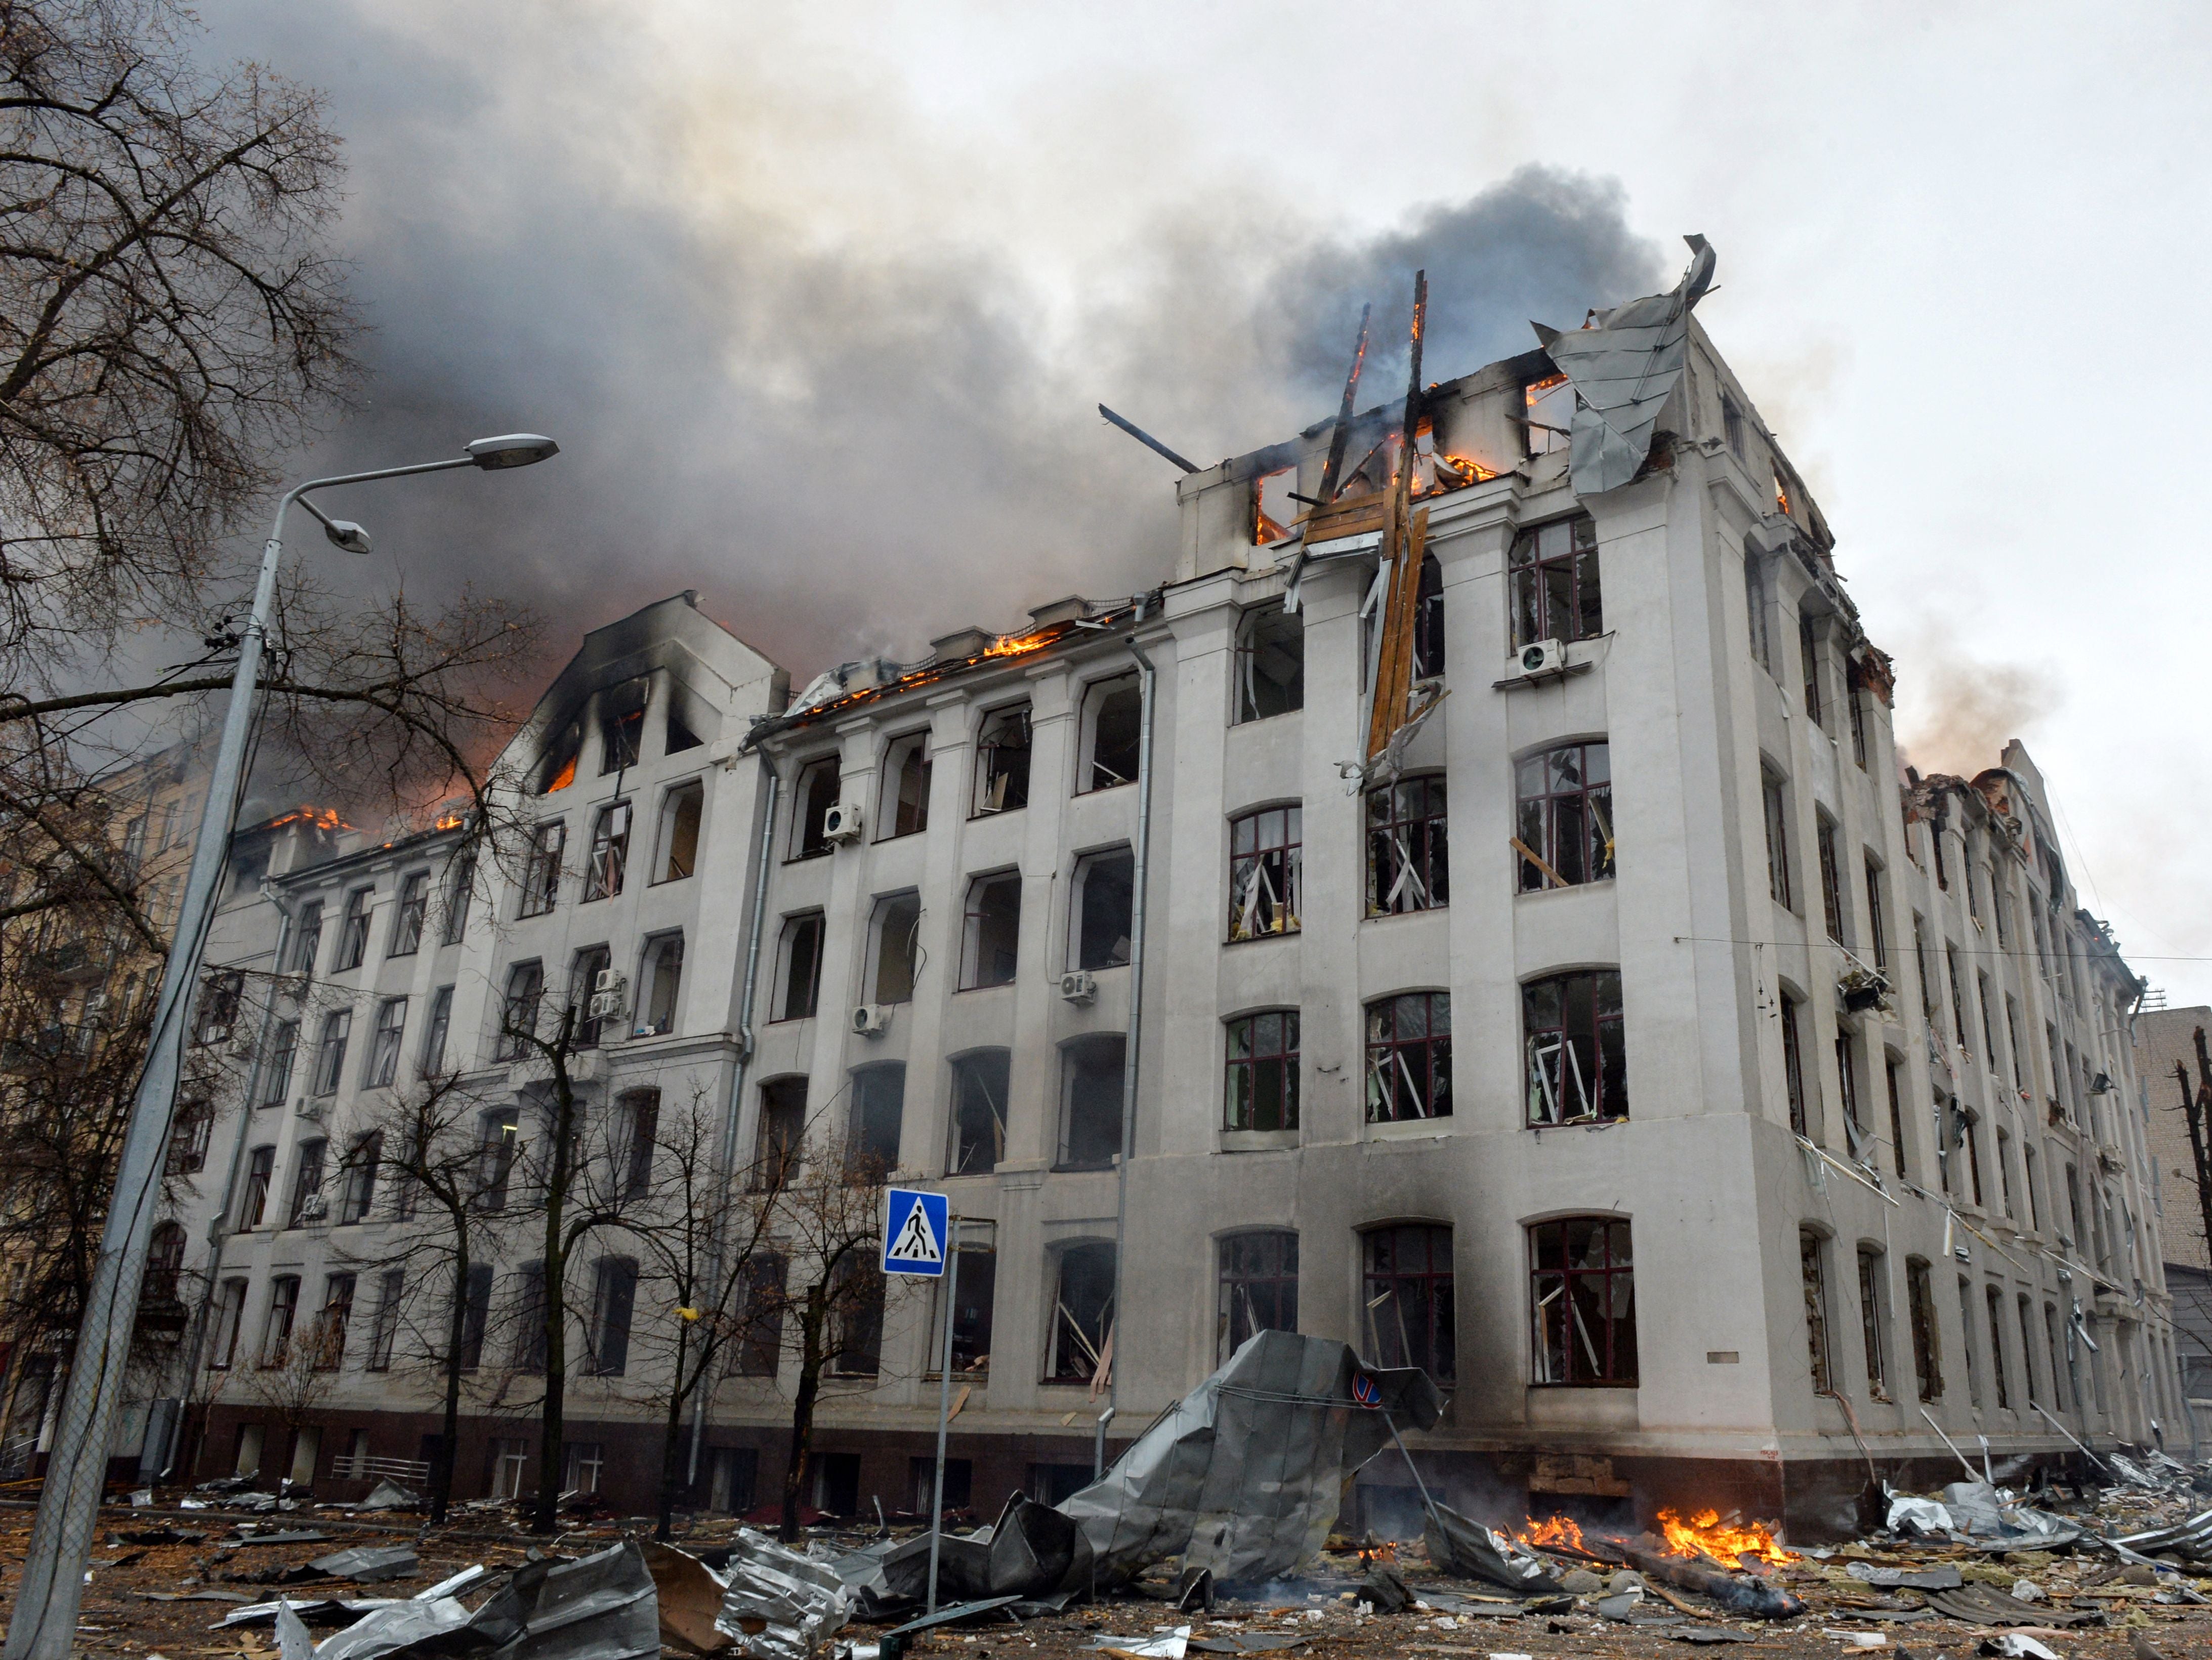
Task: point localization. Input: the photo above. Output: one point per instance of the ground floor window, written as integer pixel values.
(1258, 1286)
(1582, 1294)
(1409, 1298)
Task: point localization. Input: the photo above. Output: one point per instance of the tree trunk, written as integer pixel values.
(441, 1468)
(802, 1407)
(671, 1441)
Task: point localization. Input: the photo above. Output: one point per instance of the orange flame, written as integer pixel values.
(450, 821)
(319, 817)
(1013, 645)
(1704, 1534)
(1553, 1530)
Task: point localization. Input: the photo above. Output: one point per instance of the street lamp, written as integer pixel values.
(43, 1624)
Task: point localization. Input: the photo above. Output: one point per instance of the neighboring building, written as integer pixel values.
(2166, 1038)
(1686, 1094)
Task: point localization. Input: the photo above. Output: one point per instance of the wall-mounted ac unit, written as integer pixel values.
(1538, 657)
(871, 1019)
(1080, 986)
(610, 994)
(841, 822)
(309, 1107)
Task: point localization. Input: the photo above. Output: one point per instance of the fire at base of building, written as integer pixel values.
(1710, 1111)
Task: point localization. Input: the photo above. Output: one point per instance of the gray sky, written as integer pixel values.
(818, 300)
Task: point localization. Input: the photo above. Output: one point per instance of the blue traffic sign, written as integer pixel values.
(915, 1231)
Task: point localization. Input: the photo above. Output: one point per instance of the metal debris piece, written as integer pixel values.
(388, 1494)
(778, 1604)
(1985, 1605)
(1623, 370)
(2016, 1645)
(1166, 1646)
(454, 1586)
(367, 1564)
(1943, 1577)
(293, 1642)
(295, 1537)
(395, 1626)
(1245, 1474)
(1712, 1634)
(1459, 1545)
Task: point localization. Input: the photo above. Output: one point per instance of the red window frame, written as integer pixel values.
(1409, 1057)
(1564, 815)
(1582, 1301)
(1262, 1047)
(1574, 1047)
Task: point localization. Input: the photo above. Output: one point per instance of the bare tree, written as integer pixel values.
(295, 1375)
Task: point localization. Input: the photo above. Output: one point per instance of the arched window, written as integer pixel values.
(1409, 1298)
(1564, 816)
(1409, 1057)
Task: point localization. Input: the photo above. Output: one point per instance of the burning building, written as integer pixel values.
(1470, 907)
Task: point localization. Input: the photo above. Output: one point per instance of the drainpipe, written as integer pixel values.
(1133, 1046)
(763, 841)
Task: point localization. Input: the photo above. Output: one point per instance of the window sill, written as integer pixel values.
(1083, 1170)
(1259, 1140)
(1565, 887)
(1390, 1129)
(994, 813)
(1101, 789)
(1256, 939)
(901, 835)
(1416, 910)
(1583, 1123)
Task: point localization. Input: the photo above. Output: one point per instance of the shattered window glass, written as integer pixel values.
(1409, 1298)
(1002, 761)
(1271, 664)
(906, 786)
(609, 854)
(1577, 1068)
(1582, 1297)
(1920, 1298)
(991, 941)
(1549, 410)
(1262, 1081)
(1408, 867)
(979, 1111)
(1258, 1288)
(1409, 1057)
(1116, 731)
(816, 795)
(1265, 863)
(1871, 1322)
(1793, 1067)
(1556, 593)
(1429, 620)
(1091, 1107)
(1563, 817)
(1811, 1269)
(1083, 1313)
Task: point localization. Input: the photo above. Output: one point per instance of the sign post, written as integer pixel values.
(918, 1241)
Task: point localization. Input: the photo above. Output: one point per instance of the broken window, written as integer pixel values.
(586, 1028)
(1265, 869)
(897, 943)
(760, 1347)
(1832, 881)
(905, 811)
(164, 1262)
(1877, 935)
(330, 1052)
(2027, 1181)
(277, 1330)
(1429, 620)
(1920, 1304)
(1256, 1288)
(307, 1184)
(260, 1166)
(1994, 1300)
(638, 1124)
(499, 1142)
(1812, 1265)
(1105, 895)
(1732, 425)
(1808, 654)
(979, 1111)
(1555, 591)
(782, 1130)
(678, 840)
(353, 931)
(1274, 507)
(310, 939)
(1082, 1314)
(1002, 761)
(329, 1339)
(458, 891)
(1548, 413)
(1409, 1057)
(1563, 817)
(1989, 1021)
(541, 872)
(1583, 1298)
(1920, 962)
(614, 1297)
(1793, 1066)
(2056, 1349)
(1847, 1087)
(1090, 1102)
(283, 1051)
(435, 1032)
(801, 954)
(621, 726)
(1970, 1141)
(603, 873)
(1271, 663)
(2028, 1349)
(1773, 799)
(190, 1134)
(1871, 1323)
(1114, 716)
(1407, 847)
(558, 769)
(872, 1150)
(221, 993)
(1262, 1083)
(519, 1009)
(1958, 996)
(1854, 700)
(676, 735)
(2005, 1169)
(1780, 491)
(357, 1176)
(1577, 1068)
(817, 793)
(664, 980)
(971, 1329)
(990, 941)
(1967, 1339)
(1408, 1299)
(1757, 603)
(384, 1042)
(407, 917)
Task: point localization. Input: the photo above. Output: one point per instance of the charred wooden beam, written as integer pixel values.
(1147, 440)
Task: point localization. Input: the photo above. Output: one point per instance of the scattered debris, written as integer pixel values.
(367, 1564)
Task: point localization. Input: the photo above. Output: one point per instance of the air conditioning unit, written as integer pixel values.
(610, 994)
(871, 1019)
(1080, 986)
(841, 823)
(1538, 658)
(309, 1107)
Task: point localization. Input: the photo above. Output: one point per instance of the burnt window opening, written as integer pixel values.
(1409, 1057)
(1757, 604)
(1811, 1269)
(1994, 1300)
(1582, 1298)
(1002, 761)
(541, 873)
(1116, 732)
(678, 839)
(782, 1131)
(1920, 1308)
(1547, 414)
(676, 733)
(897, 947)
(1273, 510)
(330, 1051)
(1808, 654)
(1409, 1298)
(1429, 620)
(905, 811)
(409, 915)
(1577, 1060)
(621, 726)
(1270, 664)
(1873, 1321)
(971, 1329)
(1556, 593)
(663, 984)
(1261, 1089)
(557, 770)
(609, 854)
(1563, 817)
(802, 966)
(1105, 908)
(1781, 492)
(1090, 1102)
(1795, 1086)
(1774, 800)
(991, 937)
(1083, 1313)
(872, 1150)
(1265, 861)
(1255, 1288)
(585, 1029)
(384, 1042)
(1832, 880)
(614, 1298)
(353, 930)
(817, 793)
(979, 1111)
(1408, 866)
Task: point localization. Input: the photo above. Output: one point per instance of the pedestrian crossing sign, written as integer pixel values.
(915, 1233)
